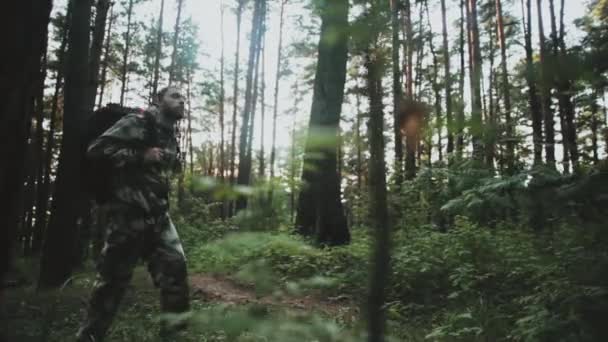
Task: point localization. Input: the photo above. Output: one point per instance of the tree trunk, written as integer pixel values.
(564, 87)
(44, 191)
(460, 120)
(262, 161)
(437, 95)
(448, 81)
(125, 55)
(172, 71)
(491, 125)
(59, 247)
(99, 31)
(273, 151)
(545, 92)
(244, 171)
(506, 90)
(475, 80)
(239, 14)
(159, 47)
(320, 213)
(104, 68)
(397, 97)
(378, 195)
(535, 106)
(222, 163)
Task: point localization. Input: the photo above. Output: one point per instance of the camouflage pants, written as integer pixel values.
(131, 235)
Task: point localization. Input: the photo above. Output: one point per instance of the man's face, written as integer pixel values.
(173, 103)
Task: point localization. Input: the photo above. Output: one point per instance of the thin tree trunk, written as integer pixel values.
(222, 163)
(397, 97)
(239, 14)
(460, 120)
(491, 123)
(101, 16)
(159, 47)
(244, 171)
(437, 94)
(172, 67)
(277, 81)
(506, 90)
(378, 195)
(125, 55)
(475, 79)
(448, 81)
(59, 247)
(535, 106)
(104, 68)
(545, 92)
(262, 165)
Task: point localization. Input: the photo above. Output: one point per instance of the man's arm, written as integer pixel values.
(121, 144)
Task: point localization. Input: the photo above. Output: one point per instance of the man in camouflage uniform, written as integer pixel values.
(139, 225)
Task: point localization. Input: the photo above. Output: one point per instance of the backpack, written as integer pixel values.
(97, 173)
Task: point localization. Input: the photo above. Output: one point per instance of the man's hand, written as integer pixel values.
(153, 155)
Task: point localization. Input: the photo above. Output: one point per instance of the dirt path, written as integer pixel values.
(220, 289)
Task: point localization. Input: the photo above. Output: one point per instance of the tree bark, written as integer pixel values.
(534, 101)
(277, 81)
(159, 47)
(320, 213)
(378, 195)
(475, 81)
(448, 81)
(176, 31)
(244, 171)
(460, 119)
(99, 31)
(239, 14)
(506, 90)
(59, 247)
(125, 55)
(545, 92)
(107, 49)
(397, 96)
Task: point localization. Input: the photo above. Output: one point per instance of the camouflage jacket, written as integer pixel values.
(144, 185)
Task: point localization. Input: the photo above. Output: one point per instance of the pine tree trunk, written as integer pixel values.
(320, 213)
(545, 92)
(397, 97)
(176, 31)
(535, 106)
(125, 55)
(99, 31)
(59, 247)
(239, 14)
(437, 95)
(262, 161)
(564, 88)
(107, 49)
(491, 125)
(378, 195)
(159, 47)
(460, 119)
(277, 81)
(222, 105)
(448, 82)
(506, 90)
(475, 80)
(244, 171)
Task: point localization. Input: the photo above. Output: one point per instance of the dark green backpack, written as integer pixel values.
(97, 173)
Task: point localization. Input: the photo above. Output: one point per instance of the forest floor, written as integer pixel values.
(53, 316)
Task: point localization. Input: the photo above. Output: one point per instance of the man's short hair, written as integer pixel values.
(160, 94)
